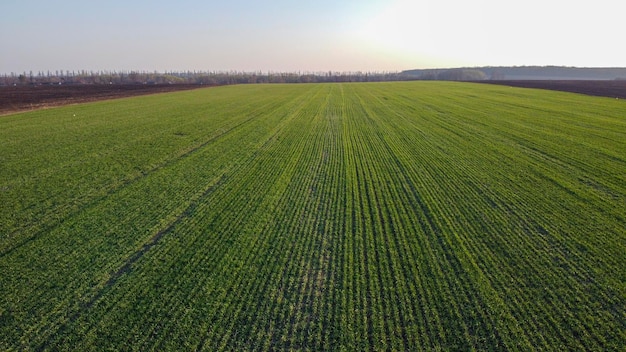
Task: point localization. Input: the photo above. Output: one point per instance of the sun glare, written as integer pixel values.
(409, 31)
(393, 27)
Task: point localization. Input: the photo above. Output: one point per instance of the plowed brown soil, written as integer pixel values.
(612, 89)
(19, 98)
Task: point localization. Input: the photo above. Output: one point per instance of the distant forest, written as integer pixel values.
(238, 77)
(190, 77)
(517, 73)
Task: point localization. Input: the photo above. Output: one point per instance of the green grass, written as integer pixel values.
(390, 216)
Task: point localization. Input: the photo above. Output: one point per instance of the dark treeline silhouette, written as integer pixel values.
(190, 77)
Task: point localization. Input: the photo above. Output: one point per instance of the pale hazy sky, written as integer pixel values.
(322, 35)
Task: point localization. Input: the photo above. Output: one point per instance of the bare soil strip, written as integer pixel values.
(22, 98)
(611, 89)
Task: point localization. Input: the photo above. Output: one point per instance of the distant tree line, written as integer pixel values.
(517, 73)
(190, 77)
(457, 74)
(241, 77)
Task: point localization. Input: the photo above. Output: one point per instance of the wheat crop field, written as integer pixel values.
(404, 216)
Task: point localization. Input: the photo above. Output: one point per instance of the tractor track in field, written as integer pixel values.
(179, 216)
(126, 183)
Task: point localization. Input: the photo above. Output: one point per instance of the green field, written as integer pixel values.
(389, 216)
